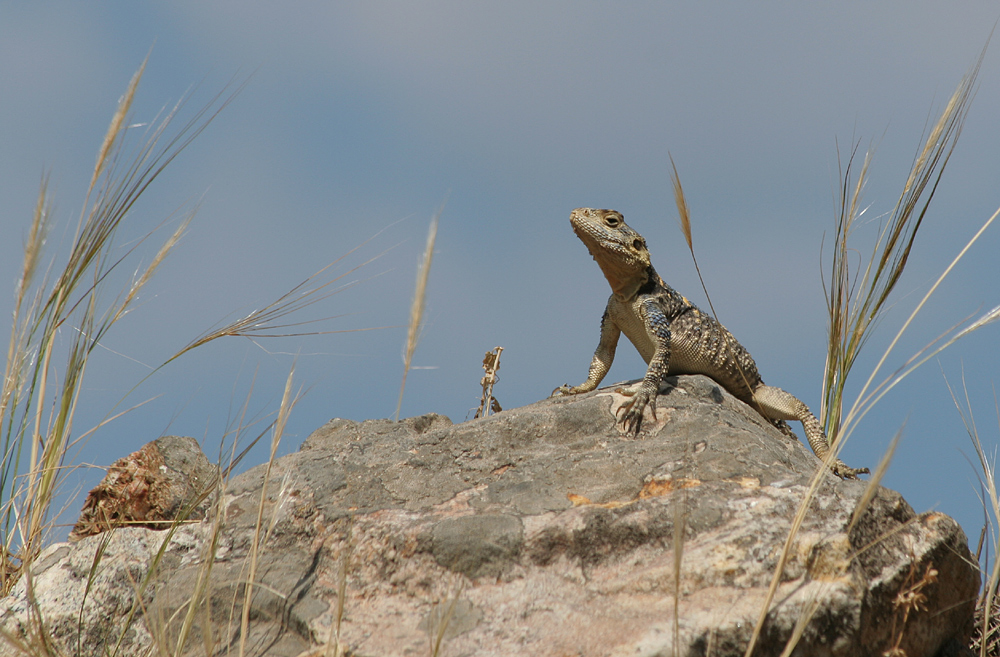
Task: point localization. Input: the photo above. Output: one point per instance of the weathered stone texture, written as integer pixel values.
(539, 531)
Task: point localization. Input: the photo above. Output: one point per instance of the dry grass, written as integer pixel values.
(334, 646)
(855, 305)
(986, 640)
(337, 625)
(171, 636)
(39, 398)
(875, 481)
(417, 308)
(439, 619)
(680, 526)
(287, 403)
(684, 219)
(911, 598)
(269, 321)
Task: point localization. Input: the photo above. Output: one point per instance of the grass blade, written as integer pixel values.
(417, 308)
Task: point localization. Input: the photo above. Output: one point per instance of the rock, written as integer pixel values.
(149, 488)
(537, 531)
(81, 609)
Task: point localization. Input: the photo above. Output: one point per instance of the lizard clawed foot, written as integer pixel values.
(631, 419)
(844, 472)
(564, 389)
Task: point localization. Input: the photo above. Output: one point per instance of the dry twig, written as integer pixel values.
(488, 403)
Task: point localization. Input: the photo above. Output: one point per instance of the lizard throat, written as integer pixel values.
(625, 281)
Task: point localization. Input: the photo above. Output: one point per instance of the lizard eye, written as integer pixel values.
(638, 245)
(611, 220)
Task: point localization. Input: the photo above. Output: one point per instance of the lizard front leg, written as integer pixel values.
(658, 327)
(601, 363)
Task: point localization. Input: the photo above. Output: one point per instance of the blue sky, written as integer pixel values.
(360, 117)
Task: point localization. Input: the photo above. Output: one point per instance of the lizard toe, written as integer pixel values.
(632, 422)
(631, 416)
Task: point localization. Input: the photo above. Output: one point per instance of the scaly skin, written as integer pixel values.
(674, 337)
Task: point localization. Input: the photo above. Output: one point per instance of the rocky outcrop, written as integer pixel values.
(537, 531)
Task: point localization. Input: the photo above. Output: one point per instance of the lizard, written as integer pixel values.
(674, 337)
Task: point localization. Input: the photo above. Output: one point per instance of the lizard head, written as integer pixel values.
(620, 251)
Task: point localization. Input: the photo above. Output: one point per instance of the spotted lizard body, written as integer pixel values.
(674, 337)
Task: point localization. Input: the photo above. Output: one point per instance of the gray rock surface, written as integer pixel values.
(538, 531)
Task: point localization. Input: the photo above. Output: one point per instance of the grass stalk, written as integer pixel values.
(334, 644)
(287, 403)
(684, 219)
(437, 629)
(117, 122)
(987, 603)
(874, 481)
(865, 403)
(269, 320)
(856, 303)
(811, 606)
(417, 307)
(680, 523)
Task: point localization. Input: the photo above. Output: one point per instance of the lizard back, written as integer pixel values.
(699, 344)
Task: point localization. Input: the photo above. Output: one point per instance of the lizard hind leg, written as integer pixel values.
(776, 404)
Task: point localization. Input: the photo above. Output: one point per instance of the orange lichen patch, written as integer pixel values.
(748, 483)
(657, 487)
(580, 500)
(502, 469)
(931, 519)
(653, 487)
